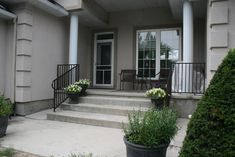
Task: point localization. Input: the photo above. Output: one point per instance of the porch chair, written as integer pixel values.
(129, 76)
(162, 81)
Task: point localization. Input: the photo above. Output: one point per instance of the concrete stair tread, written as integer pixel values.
(88, 115)
(116, 98)
(109, 106)
(117, 93)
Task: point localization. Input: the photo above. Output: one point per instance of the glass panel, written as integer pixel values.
(152, 72)
(140, 73)
(146, 52)
(99, 77)
(107, 77)
(170, 46)
(103, 63)
(104, 53)
(105, 36)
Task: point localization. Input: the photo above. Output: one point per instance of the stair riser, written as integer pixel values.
(109, 111)
(120, 102)
(85, 121)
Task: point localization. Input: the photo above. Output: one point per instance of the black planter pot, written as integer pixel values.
(158, 103)
(134, 150)
(74, 97)
(3, 125)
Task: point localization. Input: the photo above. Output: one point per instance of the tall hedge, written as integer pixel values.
(211, 130)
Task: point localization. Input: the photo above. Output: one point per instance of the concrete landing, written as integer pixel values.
(36, 135)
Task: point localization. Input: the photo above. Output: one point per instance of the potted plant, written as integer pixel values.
(157, 96)
(149, 134)
(5, 111)
(84, 83)
(73, 91)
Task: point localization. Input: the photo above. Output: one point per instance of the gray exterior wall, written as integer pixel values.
(3, 35)
(84, 50)
(49, 48)
(7, 59)
(220, 32)
(42, 43)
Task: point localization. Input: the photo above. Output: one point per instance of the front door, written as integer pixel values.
(103, 60)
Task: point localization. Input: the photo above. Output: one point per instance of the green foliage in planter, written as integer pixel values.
(151, 128)
(5, 106)
(211, 130)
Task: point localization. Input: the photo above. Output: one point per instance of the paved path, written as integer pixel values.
(37, 135)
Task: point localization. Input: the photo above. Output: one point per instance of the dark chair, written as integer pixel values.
(129, 76)
(162, 81)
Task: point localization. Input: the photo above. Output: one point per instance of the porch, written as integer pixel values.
(146, 36)
(141, 37)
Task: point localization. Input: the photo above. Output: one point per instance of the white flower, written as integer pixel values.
(156, 93)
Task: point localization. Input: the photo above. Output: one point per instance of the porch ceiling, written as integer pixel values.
(123, 5)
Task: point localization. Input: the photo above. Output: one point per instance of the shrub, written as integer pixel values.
(151, 128)
(5, 106)
(211, 130)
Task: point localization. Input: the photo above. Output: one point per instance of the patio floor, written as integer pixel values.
(36, 135)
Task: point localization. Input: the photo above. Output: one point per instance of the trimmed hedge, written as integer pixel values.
(211, 130)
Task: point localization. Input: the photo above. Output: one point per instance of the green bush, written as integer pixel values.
(151, 128)
(5, 106)
(211, 130)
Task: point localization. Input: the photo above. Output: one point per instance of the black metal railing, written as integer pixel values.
(188, 78)
(66, 74)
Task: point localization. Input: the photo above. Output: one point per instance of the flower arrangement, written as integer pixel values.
(81, 82)
(156, 93)
(84, 84)
(73, 89)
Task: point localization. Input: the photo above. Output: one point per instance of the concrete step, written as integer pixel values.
(116, 93)
(103, 109)
(121, 101)
(87, 118)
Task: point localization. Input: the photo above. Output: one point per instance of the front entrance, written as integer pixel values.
(103, 60)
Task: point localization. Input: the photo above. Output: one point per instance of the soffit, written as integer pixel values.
(124, 5)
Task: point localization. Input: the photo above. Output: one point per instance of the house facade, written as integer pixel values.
(104, 37)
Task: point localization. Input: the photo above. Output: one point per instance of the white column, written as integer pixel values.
(187, 31)
(73, 40)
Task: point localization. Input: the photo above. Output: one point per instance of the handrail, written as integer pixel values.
(66, 74)
(58, 77)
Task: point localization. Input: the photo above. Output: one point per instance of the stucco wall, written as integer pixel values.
(7, 58)
(199, 55)
(220, 33)
(3, 29)
(49, 48)
(84, 50)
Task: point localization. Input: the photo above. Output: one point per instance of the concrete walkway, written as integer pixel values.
(36, 135)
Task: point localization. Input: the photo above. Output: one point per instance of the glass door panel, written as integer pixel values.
(103, 67)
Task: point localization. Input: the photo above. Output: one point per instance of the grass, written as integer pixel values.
(8, 152)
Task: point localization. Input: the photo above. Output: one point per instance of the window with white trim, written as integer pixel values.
(156, 49)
